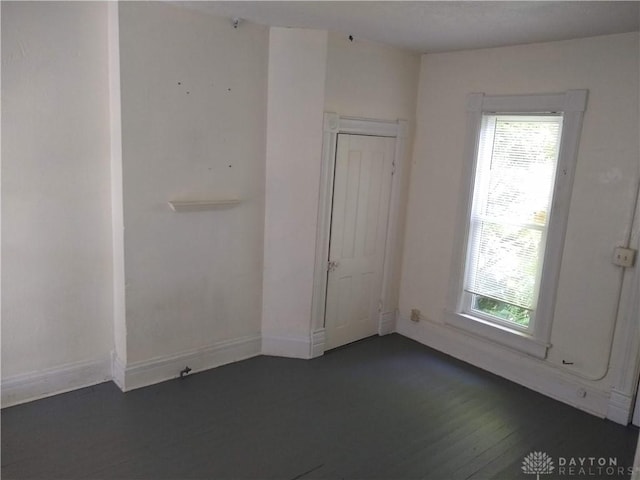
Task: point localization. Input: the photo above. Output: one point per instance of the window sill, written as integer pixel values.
(502, 335)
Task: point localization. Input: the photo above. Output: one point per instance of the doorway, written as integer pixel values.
(371, 296)
(358, 230)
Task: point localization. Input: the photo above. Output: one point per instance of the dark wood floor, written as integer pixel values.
(384, 408)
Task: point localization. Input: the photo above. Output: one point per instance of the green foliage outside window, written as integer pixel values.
(505, 311)
(514, 185)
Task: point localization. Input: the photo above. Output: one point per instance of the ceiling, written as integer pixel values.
(444, 25)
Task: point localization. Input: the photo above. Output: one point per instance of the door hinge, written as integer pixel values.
(393, 167)
(380, 305)
(332, 265)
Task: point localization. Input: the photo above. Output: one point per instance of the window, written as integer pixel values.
(516, 165)
(512, 232)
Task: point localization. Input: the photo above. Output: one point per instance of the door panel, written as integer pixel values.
(361, 195)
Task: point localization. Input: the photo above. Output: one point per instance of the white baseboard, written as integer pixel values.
(279, 345)
(620, 407)
(118, 369)
(318, 339)
(387, 323)
(511, 365)
(142, 374)
(33, 386)
(518, 368)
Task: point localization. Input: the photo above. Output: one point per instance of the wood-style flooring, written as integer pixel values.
(382, 408)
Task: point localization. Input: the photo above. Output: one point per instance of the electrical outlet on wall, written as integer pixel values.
(415, 315)
(624, 257)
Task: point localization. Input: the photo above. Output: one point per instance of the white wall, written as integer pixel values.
(56, 240)
(297, 70)
(603, 193)
(193, 128)
(194, 106)
(371, 80)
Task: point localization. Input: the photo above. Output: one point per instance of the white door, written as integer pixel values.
(361, 194)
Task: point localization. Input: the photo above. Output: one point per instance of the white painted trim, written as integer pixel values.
(387, 323)
(559, 214)
(318, 340)
(116, 184)
(364, 126)
(35, 385)
(202, 205)
(327, 168)
(503, 335)
(118, 370)
(474, 118)
(333, 125)
(508, 363)
(289, 346)
(392, 247)
(627, 334)
(620, 407)
(142, 374)
(569, 101)
(572, 104)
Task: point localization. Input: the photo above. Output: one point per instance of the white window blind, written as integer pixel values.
(513, 189)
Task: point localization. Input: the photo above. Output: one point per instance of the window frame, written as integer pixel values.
(481, 188)
(571, 105)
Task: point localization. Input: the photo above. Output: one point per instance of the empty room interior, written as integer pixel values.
(304, 240)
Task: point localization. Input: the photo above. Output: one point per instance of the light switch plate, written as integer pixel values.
(624, 257)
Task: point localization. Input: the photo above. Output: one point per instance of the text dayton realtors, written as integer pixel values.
(595, 466)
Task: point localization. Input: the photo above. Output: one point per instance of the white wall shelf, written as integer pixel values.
(202, 205)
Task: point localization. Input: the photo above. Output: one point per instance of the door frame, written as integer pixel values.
(333, 125)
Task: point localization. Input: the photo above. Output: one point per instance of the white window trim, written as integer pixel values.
(572, 105)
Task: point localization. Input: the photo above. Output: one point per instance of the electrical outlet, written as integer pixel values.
(415, 315)
(624, 257)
